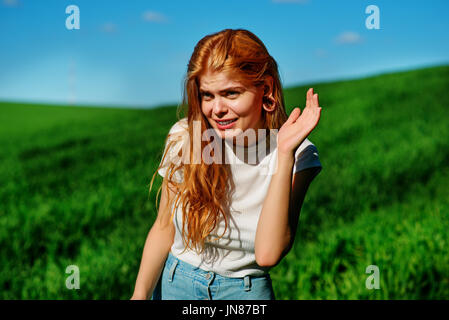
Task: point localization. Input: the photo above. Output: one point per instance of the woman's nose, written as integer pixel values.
(219, 107)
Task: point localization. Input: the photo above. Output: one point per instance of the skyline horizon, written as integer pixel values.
(175, 104)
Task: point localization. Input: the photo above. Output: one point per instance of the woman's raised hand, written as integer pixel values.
(298, 127)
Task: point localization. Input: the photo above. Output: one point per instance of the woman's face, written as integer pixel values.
(223, 98)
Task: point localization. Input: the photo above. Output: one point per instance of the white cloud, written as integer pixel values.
(348, 37)
(152, 16)
(11, 3)
(109, 28)
(321, 53)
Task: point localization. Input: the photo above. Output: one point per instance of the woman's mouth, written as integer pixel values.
(222, 125)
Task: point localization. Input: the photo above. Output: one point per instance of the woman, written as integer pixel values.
(225, 220)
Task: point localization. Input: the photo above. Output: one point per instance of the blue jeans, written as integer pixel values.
(182, 281)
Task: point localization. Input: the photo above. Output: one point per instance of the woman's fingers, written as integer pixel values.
(315, 100)
(309, 97)
(308, 114)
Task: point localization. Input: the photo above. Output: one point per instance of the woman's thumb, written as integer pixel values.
(294, 115)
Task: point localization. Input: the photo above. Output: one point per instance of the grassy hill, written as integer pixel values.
(75, 192)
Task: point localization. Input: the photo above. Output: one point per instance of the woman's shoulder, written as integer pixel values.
(174, 143)
(178, 131)
(179, 126)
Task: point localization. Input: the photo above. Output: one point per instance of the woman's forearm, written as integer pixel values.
(273, 230)
(156, 249)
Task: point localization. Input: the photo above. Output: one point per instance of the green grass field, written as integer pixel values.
(74, 191)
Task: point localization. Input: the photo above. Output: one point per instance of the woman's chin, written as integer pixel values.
(228, 134)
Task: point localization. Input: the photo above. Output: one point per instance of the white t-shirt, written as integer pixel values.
(233, 255)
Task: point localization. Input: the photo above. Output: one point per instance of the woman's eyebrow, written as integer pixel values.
(224, 90)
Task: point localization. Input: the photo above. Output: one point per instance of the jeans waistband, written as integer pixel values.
(194, 272)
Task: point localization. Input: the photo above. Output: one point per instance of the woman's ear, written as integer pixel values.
(268, 102)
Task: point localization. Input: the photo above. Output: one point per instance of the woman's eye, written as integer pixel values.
(206, 95)
(233, 93)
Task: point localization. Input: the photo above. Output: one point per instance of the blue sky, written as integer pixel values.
(135, 53)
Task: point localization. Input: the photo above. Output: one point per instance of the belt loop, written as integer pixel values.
(172, 270)
(247, 283)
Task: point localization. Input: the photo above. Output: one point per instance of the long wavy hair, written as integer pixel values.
(204, 190)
